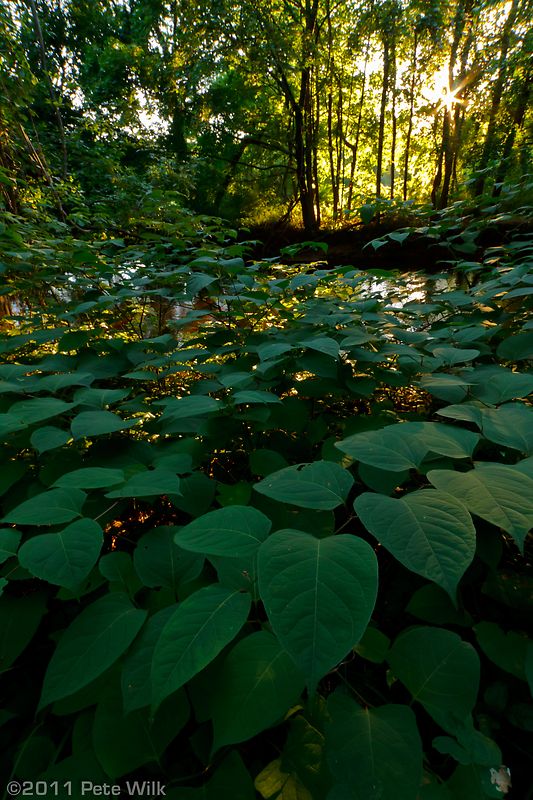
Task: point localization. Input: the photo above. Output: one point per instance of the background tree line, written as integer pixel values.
(308, 108)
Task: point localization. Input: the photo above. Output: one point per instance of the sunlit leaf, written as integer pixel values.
(499, 494)
(429, 532)
(320, 485)
(235, 531)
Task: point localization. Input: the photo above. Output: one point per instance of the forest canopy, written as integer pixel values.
(252, 111)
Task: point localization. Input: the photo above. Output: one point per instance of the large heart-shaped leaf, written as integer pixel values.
(235, 531)
(48, 438)
(196, 632)
(184, 407)
(497, 384)
(98, 423)
(39, 409)
(64, 558)
(318, 594)
(160, 562)
(48, 508)
(147, 737)
(429, 532)
(373, 753)
(92, 643)
(136, 678)
(90, 478)
(149, 483)
(451, 388)
(446, 440)
(499, 494)
(257, 684)
(510, 425)
(387, 449)
(440, 670)
(321, 485)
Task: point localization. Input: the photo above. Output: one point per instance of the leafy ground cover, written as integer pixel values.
(264, 529)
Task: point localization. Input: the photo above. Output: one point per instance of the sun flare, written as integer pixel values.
(440, 93)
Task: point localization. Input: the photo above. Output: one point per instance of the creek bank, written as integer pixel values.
(421, 251)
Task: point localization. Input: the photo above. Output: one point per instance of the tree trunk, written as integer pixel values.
(497, 92)
(394, 120)
(51, 92)
(411, 114)
(518, 119)
(382, 110)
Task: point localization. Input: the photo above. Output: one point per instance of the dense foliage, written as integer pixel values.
(251, 110)
(264, 526)
(264, 518)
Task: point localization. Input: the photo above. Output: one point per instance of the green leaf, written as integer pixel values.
(90, 478)
(117, 568)
(446, 440)
(39, 409)
(99, 398)
(146, 738)
(318, 594)
(432, 604)
(136, 670)
(48, 508)
(373, 646)
(510, 425)
(320, 485)
(399, 236)
(388, 449)
(10, 424)
(497, 385)
(231, 531)
(440, 670)
(64, 558)
(323, 344)
(375, 754)
(429, 532)
(184, 407)
(149, 483)
(251, 396)
(272, 350)
(499, 494)
(517, 347)
(275, 782)
(160, 562)
(197, 631)
(9, 542)
(98, 423)
(257, 684)
(48, 438)
(507, 650)
(446, 387)
(264, 461)
(367, 212)
(19, 619)
(91, 644)
(454, 355)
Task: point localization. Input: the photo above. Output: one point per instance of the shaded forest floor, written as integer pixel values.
(409, 248)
